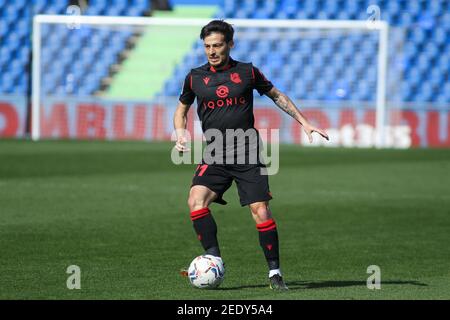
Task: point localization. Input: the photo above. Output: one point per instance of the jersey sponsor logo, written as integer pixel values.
(222, 92)
(225, 102)
(206, 80)
(235, 77)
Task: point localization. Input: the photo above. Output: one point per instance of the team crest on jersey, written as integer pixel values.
(235, 77)
(222, 91)
(206, 80)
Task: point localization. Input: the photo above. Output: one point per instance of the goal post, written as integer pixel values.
(312, 59)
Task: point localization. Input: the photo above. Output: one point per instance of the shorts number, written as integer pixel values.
(202, 169)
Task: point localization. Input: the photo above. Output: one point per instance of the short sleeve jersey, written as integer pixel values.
(224, 97)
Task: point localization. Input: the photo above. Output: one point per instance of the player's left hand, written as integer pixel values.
(309, 129)
(180, 145)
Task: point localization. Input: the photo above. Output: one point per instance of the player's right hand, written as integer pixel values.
(180, 145)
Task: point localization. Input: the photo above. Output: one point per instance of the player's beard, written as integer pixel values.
(221, 63)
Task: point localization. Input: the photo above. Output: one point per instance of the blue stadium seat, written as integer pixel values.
(424, 48)
(93, 10)
(39, 6)
(423, 65)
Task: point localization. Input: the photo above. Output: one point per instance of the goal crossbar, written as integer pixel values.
(381, 26)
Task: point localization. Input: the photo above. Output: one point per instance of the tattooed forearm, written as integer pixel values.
(283, 101)
(286, 104)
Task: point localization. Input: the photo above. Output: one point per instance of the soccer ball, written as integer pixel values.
(206, 272)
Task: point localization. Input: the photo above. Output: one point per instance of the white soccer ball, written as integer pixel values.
(206, 272)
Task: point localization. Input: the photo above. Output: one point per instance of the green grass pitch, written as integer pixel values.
(118, 211)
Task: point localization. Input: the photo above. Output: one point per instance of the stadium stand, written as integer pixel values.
(424, 63)
(66, 51)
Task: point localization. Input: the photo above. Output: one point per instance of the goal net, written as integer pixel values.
(120, 77)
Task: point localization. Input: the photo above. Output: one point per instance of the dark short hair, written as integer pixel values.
(218, 26)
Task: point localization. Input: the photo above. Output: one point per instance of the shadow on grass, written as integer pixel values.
(307, 284)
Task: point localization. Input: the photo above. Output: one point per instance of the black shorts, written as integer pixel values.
(252, 185)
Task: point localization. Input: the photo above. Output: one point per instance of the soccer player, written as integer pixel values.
(224, 91)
